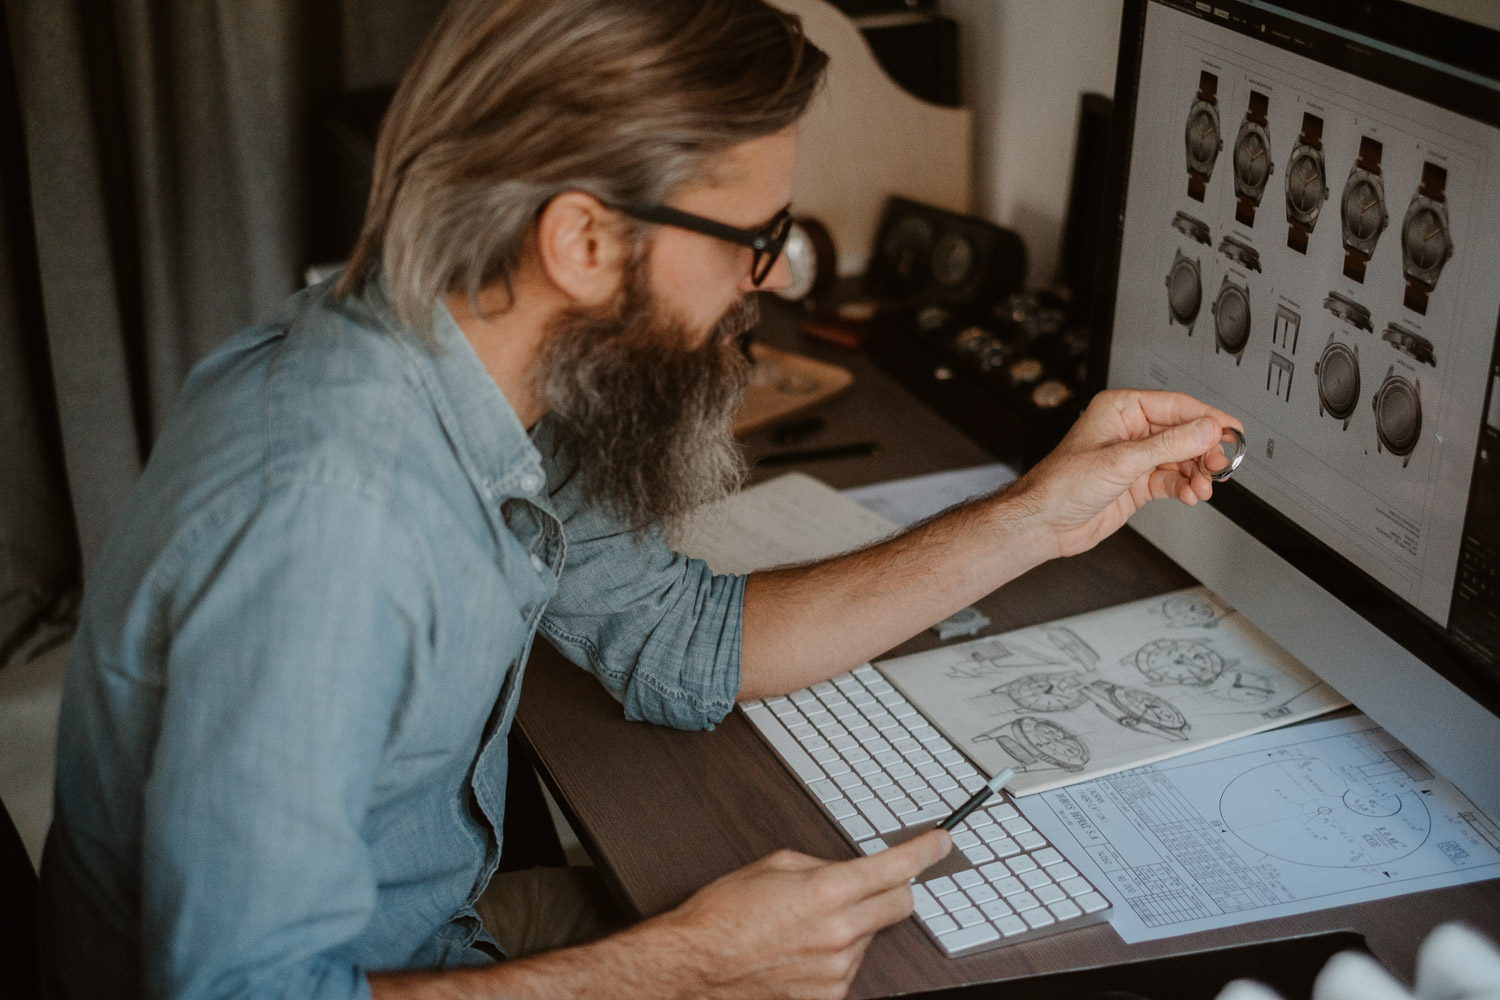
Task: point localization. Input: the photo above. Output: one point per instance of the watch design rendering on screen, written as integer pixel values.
(1364, 214)
(1426, 240)
(1252, 160)
(1184, 290)
(1337, 373)
(1398, 415)
(1410, 343)
(1349, 311)
(1203, 137)
(1193, 228)
(1306, 183)
(1240, 252)
(1232, 319)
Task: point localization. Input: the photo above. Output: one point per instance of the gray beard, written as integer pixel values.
(649, 422)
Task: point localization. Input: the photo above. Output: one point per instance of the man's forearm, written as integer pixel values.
(806, 623)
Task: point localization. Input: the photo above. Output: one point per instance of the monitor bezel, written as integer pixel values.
(1423, 32)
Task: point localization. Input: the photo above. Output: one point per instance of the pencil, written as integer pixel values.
(976, 800)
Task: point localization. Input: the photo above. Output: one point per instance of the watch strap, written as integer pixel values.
(1369, 154)
(1296, 236)
(1244, 210)
(1208, 87)
(1197, 185)
(1312, 130)
(1416, 295)
(1434, 180)
(1258, 105)
(1354, 264)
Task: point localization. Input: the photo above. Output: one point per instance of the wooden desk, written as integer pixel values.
(664, 812)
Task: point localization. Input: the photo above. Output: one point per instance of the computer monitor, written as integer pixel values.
(1307, 235)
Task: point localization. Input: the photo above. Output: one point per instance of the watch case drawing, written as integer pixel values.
(1188, 611)
(1188, 662)
(1426, 220)
(1231, 311)
(1281, 370)
(1252, 160)
(1131, 708)
(1184, 291)
(1306, 183)
(1192, 227)
(1410, 343)
(1031, 741)
(1363, 209)
(1398, 415)
(1349, 311)
(1337, 374)
(1240, 252)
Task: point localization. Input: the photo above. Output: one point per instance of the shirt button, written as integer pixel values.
(537, 563)
(531, 482)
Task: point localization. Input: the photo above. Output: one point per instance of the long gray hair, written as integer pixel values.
(511, 102)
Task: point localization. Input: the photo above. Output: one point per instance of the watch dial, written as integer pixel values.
(1185, 292)
(953, 260)
(1047, 693)
(1305, 183)
(1362, 209)
(1250, 159)
(1424, 239)
(1203, 138)
(1232, 319)
(1179, 661)
(1149, 708)
(1398, 415)
(907, 246)
(1338, 380)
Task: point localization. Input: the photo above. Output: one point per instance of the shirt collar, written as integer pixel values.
(480, 422)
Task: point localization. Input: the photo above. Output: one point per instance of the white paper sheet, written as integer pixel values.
(907, 501)
(1304, 818)
(1116, 688)
(790, 519)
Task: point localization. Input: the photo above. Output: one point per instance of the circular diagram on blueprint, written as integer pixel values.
(1301, 810)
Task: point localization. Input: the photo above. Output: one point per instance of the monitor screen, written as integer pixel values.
(1308, 236)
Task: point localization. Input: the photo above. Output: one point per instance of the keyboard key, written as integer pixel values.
(780, 704)
(941, 886)
(995, 871)
(840, 808)
(801, 730)
(900, 769)
(817, 715)
(941, 924)
(949, 757)
(879, 686)
(906, 744)
(912, 782)
(903, 711)
(836, 768)
(1076, 886)
(942, 783)
(1065, 910)
(923, 903)
(815, 743)
(968, 937)
(863, 732)
(866, 672)
(1002, 812)
(1049, 894)
(1013, 826)
(832, 728)
(954, 797)
(803, 697)
(888, 757)
(1008, 886)
(918, 757)
(784, 743)
(989, 832)
(977, 819)
(844, 742)
(825, 687)
(873, 846)
(1047, 857)
(968, 917)
(965, 838)
(968, 877)
(955, 901)
(1005, 847)
(981, 894)
(876, 745)
(995, 909)
(862, 698)
(879, 816)
(935, 811)
(903, 806)
(879, 779)
(1062, 871)
(1091, 902)
(931, 769)
(922, 731)
(1031, 840)
(925, 796)
(1022, 901)
(847, 683)
(979, 854)
(857, 755)
(866, 767)
(845, 712)
(1021, 864)
(1010, 926)
(1035, 877)
(825, 755)
(848, 780)
(1038, 917)
(862, 793)
(971, 782)
(857, 828)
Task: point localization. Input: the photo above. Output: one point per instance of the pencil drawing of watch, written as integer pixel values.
(1337, 372)
(1135, 708)
(1252, 160)
(1232, 319)
(1192, 227)
(1426, 240)
(1240, 252)
(1203, 137)
(1364, 214)
(1306, 183)
(1184, 290)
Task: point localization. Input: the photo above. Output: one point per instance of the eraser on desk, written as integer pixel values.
(966, 622)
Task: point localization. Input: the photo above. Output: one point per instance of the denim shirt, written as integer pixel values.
(282, 748)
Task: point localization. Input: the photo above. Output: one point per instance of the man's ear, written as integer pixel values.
(581, 248)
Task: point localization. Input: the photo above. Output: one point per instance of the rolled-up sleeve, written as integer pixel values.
(659, 630)
(287, 662)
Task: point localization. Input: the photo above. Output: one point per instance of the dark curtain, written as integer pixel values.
(155, 196)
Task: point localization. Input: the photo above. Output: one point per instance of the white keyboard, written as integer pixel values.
(882, 773)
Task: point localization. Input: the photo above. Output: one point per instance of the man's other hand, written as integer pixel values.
(790, 925)
(1127, 448)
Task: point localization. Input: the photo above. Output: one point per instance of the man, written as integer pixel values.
(282, 756)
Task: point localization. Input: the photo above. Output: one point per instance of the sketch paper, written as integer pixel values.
(907, 501)
(1108, 690)
(790, 519)
(1325, 814)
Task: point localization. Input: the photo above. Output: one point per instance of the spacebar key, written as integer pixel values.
(784, 742)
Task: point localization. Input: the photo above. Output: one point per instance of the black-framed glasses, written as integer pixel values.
(766, 243)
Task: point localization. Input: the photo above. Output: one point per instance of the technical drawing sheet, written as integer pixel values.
(1100, 692)
(1314, 816)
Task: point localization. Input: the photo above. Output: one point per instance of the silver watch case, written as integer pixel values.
(1365, 245)
(1428, 275)
(1205, 168)
(1349, 311)
(1248, 127)
(1183, 264)
(1240, 252)
(1192, 227)
(1308, 218)
(1231, 341)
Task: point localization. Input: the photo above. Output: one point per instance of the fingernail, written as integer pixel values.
(1206, 432)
